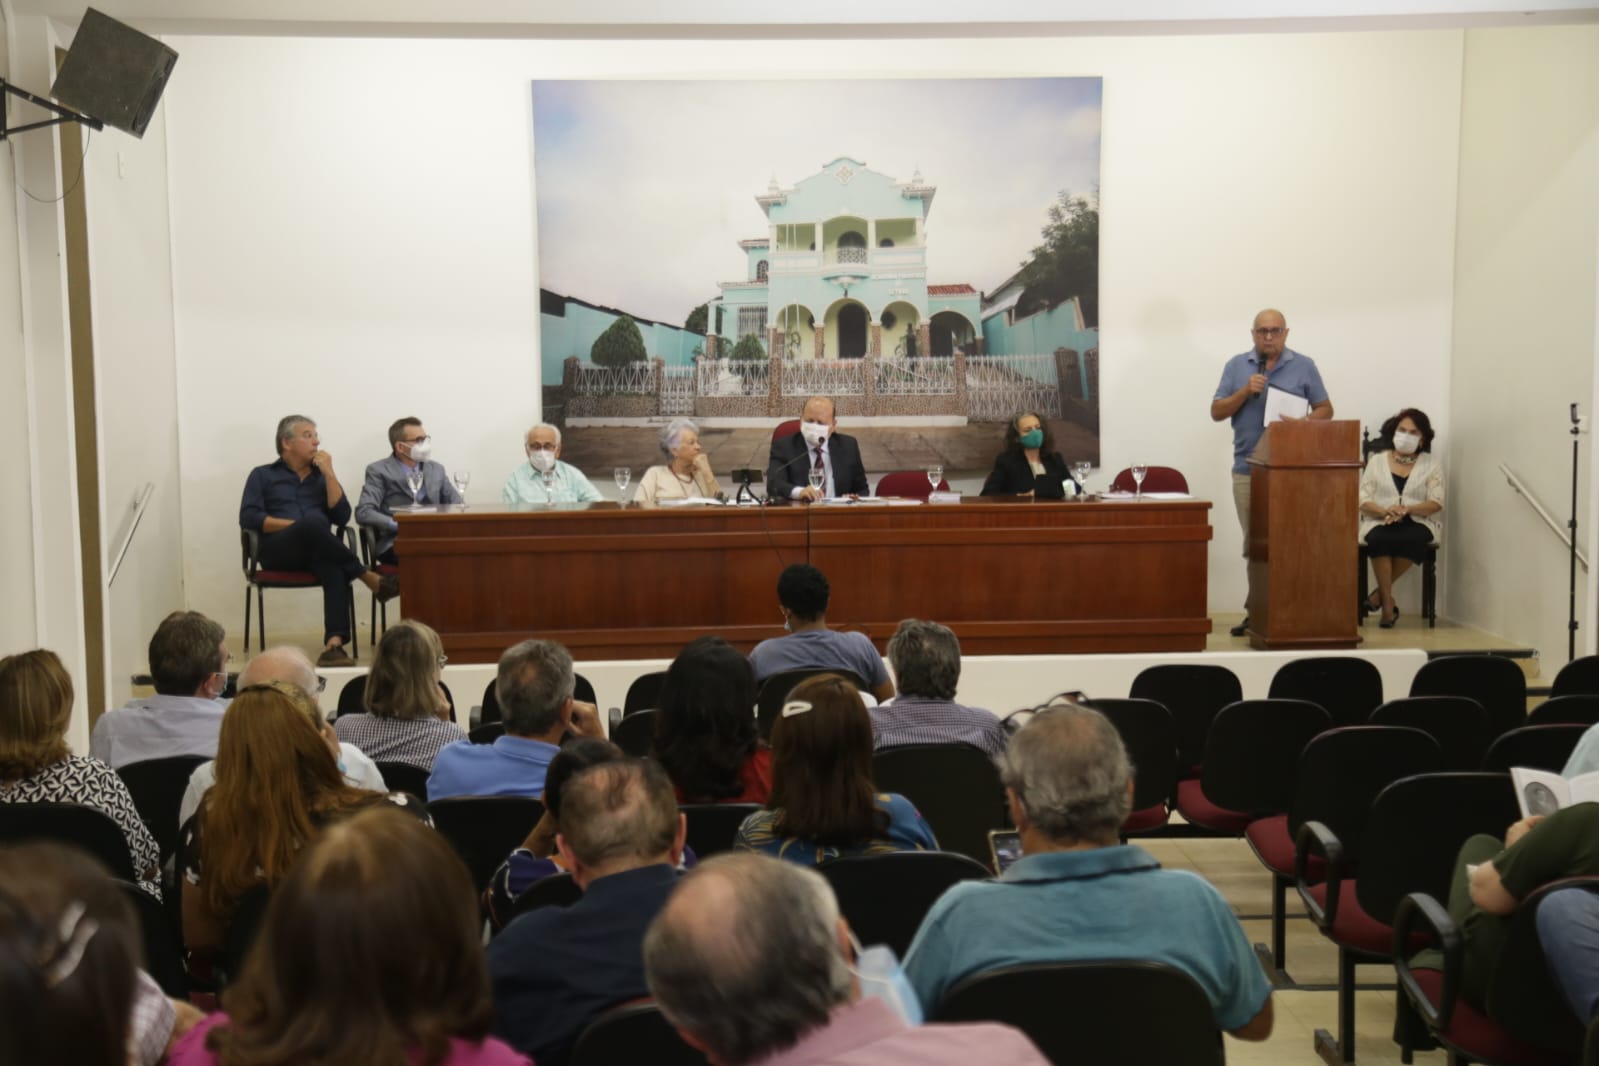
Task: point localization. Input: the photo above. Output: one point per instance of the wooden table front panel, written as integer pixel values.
(621, 583)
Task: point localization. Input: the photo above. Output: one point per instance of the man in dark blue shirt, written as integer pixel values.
(294, 504)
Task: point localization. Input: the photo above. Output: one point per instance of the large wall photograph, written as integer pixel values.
(924, 251)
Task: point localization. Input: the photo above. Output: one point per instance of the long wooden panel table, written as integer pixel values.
(614, 582)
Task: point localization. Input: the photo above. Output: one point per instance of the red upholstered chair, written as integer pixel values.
(1250, 764)
(908, 483)
(786, 429)
(257, 581)
(1156, 479)
(369, 556)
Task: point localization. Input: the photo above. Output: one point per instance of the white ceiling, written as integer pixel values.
(810, 18)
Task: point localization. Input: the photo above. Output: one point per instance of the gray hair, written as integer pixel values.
(282, 663)
(672, 434)
(543, 425)
(926, 658)
(534, 682)
(286, 427)
(1069, 771)
(185, 651)
(619, 813)
(745, 956)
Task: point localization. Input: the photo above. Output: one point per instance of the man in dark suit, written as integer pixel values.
(816, 445)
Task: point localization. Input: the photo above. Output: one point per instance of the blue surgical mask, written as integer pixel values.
(1033, 438)
(882, 977)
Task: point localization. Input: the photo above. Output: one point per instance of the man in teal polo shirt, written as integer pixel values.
(1078, 894)
(1241, 397)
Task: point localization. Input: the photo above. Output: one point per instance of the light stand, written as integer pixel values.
(65, 114)
(1571, 528)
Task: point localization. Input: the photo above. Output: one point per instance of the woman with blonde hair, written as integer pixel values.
(278, 784)
(407, 716)
(36, 766)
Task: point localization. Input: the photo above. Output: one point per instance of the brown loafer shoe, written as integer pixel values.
(335, 656)
(388, 587)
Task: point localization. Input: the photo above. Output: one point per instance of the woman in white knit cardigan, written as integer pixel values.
(1401, 496)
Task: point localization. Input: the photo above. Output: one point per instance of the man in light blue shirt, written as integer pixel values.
(534, 690)
(1241, 397)
(544, 478)
(189, 664)
(1077, 894)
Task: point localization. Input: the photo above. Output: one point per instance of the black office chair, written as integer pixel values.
(1571, 709)
(163, 948)
(885, 897)
(712, 826)
(1095, 1012)
(956, 788)
(157, 787)
(240, 934)
(489, 710)
(1150, 736)
(644, 693)
(1458, 724)
(1250, 763)
(557, 890)
(633, 1032)
(1579, 677)
(775, 689)
(405, 777)
(1194, 694)
(69, 823)
(487, 733)
(1492, 680)
(352, 697)
(1538, 747)
(635, 733)
(369, 556)
(484, 829)
(1349, 688)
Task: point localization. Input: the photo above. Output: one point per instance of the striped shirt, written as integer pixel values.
(918, 720)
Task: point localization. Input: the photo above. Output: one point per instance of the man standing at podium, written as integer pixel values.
(1241, 396)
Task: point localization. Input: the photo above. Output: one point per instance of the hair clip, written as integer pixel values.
(75, 931)
(796, 707)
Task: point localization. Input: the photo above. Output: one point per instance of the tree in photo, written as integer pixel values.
(620, 344)
(748, 347)
(697, 319)
(1067, 263)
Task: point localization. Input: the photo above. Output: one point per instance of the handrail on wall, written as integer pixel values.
(131, 525)
(1555, 526)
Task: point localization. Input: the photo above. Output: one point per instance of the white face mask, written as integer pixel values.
(814, 433)
(881, 977)
(422, 450)
(1407, 443)
(542, 461)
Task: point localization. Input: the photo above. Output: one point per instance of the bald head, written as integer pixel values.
(1270, 333)
(746, 956)
(281, 664)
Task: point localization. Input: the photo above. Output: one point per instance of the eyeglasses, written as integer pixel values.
(321, 684)
(1270, 331)
(1014, 721)
(541, 448)
(442, 660)
(417, 440)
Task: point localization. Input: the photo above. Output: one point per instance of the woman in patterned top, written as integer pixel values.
(408, 717)
(278, 784)
(823, 805)
(36, 766)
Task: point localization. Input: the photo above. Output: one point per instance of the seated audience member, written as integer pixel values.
(802, 595)
(277, 786)
(555, 968)
(752, 962)
(189, 664)
(386, 487)
(544, 478)
(1029, 465)
(926, 658)
(705, 727)
(538, 857)
(534, 690)
(817, 445)
(71, 990)
(290, 666)
(1568, 929)
(294, 503)
(1401, 494)
(1585, 756)
(1492, 878)
(368, 953)
(823, 804)
(407, 715)
(687, 472)
(37, 766)
(1077, 894)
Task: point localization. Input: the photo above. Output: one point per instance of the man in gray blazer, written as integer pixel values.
(386, 489)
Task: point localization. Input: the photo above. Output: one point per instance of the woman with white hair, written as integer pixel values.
(687, 474)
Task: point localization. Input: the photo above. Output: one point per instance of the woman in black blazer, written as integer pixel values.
(1029, 465)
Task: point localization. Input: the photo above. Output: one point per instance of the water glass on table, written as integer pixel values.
(1139, 470)
(935, 474)
(462, 479)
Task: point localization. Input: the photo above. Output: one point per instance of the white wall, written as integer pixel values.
(1524, 322)
(354, 238)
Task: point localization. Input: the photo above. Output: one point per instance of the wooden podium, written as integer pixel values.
(1303, 530)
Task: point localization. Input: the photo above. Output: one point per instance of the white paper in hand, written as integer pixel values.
(1280, 404)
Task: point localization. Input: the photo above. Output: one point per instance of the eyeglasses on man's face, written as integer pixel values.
(1270, 331)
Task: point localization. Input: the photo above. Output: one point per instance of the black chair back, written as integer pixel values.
(1457, 723)
(486, 733)
(583, 690)
(1342, 770)
(1150, 736)
(1492, 680)
(635, 734)
(774, 692)
(484, 829)
(633, 1032)
(885, 897)
(351, 697)
(1415, 829)
(954, 786)
(1193, 694)
(1579, 677)
(240, 935)
(157, 787)
(644, 692)
(163, 948)
(69, 823)
(1539, 747)
(405, 777)
(1251, 757)
(712, 826)
(491, 705)
(1348, 688)
(557, 890)
(1095, 1012)
(1573, 709)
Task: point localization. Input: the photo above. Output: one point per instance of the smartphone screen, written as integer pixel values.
(1006, 847)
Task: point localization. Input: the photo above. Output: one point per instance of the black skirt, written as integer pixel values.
(1405, 539)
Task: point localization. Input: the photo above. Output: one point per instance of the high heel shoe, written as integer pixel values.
(1388, 623)
(1367, 607)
